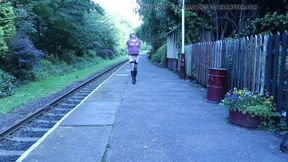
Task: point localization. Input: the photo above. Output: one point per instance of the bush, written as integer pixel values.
(22, 58)
(3, 45)
(159, 56)
(69, 56)
(105, 54)
(271, 22)
(164, 60)
(90, 54)
(46, 68)
(6, 84)
(24, 53)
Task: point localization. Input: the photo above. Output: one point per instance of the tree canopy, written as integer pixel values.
(57, 30)
(7, 26)
(205, 17)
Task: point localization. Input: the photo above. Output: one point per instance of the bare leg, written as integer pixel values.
(133, 62)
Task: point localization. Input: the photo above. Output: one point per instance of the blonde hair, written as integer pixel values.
(132, 34)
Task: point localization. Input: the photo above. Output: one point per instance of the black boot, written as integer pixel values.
(133, 77)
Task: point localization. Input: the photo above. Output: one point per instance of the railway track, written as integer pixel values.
(18, 138)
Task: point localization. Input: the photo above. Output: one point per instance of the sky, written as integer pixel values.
(124, 8)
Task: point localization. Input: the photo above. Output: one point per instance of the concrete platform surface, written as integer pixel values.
(83, 135)
(160, 119)
(164, 119)
(72, 144)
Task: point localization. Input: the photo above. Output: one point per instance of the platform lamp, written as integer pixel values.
(182, 58)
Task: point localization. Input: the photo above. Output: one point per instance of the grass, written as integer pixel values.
(35, 90)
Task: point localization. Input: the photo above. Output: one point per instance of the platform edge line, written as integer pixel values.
(35, 145)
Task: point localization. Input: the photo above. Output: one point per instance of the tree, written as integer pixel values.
(3, 45)
(202, 16)
(271, 22)
(67, 28)
(7, 26)
(160, 17)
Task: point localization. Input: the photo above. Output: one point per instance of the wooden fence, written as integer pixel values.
(258, 63)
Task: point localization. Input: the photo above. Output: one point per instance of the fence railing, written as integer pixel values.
(258, 63)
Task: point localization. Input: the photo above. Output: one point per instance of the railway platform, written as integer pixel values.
(161, 118)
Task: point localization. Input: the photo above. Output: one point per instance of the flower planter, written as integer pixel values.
(244, 120)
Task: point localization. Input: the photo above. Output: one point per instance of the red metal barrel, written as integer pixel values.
(216, 84)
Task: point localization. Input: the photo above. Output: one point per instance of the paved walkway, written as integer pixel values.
(160, 119)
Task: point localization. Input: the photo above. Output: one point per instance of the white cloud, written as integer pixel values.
(123, 8)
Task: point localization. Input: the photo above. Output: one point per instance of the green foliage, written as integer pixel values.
(24, 19)
(23, 56)
(7, 17)
(46, 68)
(265, 111)
(7, 26)
(67, 28)
(164, 59)
(6, 84)
(3, 44)
(160, 55)
(249, 103)
(270, 23)
(105, 54)
(157, 22)
(64, 35)
(84, 63)
(69, 56)
(203, 22)
(52, 84)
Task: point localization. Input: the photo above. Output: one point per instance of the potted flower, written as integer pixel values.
(248, 109)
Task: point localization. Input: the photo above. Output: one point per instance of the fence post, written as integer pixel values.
(269, 63)
(275, 67)
(264, 56)
(282, 71)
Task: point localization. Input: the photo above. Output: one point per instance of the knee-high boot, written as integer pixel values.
(133, 77)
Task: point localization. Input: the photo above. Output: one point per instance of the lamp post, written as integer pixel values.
(182, 58)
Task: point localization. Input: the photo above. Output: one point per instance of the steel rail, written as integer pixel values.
(4, 133)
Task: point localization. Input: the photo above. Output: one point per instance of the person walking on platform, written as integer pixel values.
(133, 46)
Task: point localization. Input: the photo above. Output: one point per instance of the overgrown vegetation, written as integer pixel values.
(44, 38)
(160, 56)
(6, 84)
(46, 45)
(208, 23)
(51, 84)
(270, 23)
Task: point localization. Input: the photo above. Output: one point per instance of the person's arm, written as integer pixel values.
(127, 46)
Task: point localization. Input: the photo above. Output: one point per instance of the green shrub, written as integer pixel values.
(164, 60)
(271, 22)
(90, 54)
(159, 56)
(46, 68)
(24, 75)
(6, 84)
(69, 56)
(87, 62)
(106, 53)
(22, 58)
